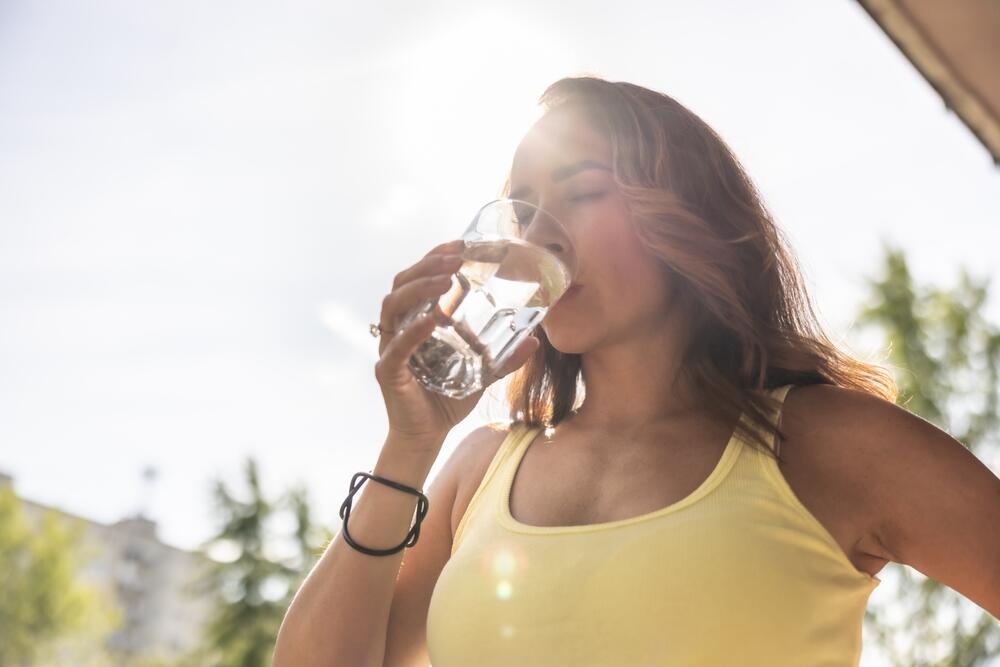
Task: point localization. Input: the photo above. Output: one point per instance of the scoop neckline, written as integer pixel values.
(527, 435)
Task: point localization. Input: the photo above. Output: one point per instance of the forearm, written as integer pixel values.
(339, 615)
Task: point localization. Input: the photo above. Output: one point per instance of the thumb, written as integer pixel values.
(524, 350)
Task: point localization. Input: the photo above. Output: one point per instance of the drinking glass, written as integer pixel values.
(518, 261)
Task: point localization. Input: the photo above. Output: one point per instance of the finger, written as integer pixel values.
(392, 366)
(441, 258)
(404, 299)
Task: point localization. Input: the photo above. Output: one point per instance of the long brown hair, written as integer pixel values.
(730, 268)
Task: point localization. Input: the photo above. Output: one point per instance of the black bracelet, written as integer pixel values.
(411, 537)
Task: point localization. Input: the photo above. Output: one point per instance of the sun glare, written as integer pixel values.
(474, 86)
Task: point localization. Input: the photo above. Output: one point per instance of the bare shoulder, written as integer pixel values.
(837, 429)
(821, 412)
(815, 408)
(474, 455)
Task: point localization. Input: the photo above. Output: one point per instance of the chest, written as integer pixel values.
(568, 483)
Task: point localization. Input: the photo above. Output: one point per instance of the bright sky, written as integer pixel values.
(203, 204)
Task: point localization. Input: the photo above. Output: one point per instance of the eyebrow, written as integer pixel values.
(564, 172)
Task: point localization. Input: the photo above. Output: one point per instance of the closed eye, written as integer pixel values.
(588, 195)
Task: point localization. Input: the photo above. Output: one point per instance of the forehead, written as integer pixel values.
(557, 137)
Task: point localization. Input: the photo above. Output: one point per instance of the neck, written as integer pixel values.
(635, 384)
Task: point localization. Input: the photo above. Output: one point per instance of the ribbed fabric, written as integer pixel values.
(737, 573)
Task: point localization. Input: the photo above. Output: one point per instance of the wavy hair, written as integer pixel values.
(732, 273)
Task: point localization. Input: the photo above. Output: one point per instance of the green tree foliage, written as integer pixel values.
(947, 361)
(45, 609)
(260, 570)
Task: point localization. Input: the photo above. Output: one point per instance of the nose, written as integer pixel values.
(546, 231)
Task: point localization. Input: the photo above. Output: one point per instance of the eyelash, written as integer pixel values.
(591, 195)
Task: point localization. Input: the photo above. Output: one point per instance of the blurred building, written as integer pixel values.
(162, 617)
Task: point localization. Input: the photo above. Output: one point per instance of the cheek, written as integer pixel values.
(624, 261)
(629, 282)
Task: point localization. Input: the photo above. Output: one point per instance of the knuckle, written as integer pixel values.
(386, 301)
(446, 246)
(441, 251)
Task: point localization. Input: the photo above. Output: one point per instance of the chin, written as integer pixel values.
(565, 339)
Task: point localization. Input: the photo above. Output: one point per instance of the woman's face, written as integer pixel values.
(622, 291)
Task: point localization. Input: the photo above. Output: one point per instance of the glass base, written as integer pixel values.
(445, 364)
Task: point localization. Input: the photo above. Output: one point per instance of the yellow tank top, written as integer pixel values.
(737, 573)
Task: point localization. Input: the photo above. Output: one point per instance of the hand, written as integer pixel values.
(416, 414)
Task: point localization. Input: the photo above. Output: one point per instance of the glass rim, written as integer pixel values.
(570, 267)
(520, 201)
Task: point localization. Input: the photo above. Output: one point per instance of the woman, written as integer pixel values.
(724, 493)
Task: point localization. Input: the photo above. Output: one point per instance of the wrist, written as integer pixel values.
(423, 444)
(406, 461)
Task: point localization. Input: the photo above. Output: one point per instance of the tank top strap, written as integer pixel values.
(778, 393)
(488, 486)
(781, 392)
